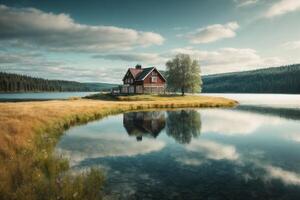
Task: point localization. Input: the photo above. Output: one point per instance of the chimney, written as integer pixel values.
(138, 66)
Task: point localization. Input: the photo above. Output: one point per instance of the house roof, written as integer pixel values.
(141, 74)
(135, 72)
(144, 73)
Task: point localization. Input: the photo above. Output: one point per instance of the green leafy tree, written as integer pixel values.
(183, 74)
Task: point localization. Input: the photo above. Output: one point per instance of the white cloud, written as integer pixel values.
(292, 45)
(191, 161)
(55, 70)
(145, 58)
(213, 33)
(212, 62)
(243, 3)
(282, 7)
(60, 32)
(29, 63)
(77, 149)
(213, 150)
(293, 137)
(229, 59)
(287, 177)
(7, 58)
(220, 122)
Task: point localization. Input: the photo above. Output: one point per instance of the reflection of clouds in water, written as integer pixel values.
(76, 170)
(271, 172)
(77, 149)
(274, 100)
(127, 184)
(213, 150)
(293, 137)
(250, 165)
(287, 177)
(191, 161)
(231, 122)
(217, 151)
(207, 149)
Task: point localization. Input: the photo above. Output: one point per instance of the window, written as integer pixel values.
(153, 79)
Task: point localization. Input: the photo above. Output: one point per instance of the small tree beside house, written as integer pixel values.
(183, 74)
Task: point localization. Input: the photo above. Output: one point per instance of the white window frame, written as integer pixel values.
(153, 79)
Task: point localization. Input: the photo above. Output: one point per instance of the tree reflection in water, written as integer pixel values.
(182, 125)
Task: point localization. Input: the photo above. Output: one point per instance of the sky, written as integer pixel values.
(97, 40)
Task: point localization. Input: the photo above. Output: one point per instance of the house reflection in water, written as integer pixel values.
(141, 124)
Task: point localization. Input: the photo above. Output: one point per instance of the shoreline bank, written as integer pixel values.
(30, 131)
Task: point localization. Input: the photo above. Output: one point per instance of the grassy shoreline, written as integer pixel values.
(30, 130)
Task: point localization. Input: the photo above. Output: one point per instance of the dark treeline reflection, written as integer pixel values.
(287, 113)
(182, 125)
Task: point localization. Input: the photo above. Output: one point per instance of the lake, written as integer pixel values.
(42, 95)
(248, 152)
(268, 100)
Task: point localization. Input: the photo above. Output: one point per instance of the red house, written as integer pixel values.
(140, 80)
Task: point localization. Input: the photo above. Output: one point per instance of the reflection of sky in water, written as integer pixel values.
(209, 153)
(269, 100)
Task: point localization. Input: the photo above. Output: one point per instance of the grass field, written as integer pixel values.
(30, 130)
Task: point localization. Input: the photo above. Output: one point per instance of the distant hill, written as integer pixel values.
(99, 86)
(21, 83)
(285, 79)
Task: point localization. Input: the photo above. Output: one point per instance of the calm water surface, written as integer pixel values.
(273, 100)
(249, 152)
(43, 95)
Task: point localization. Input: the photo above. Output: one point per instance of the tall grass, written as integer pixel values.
(30, 130)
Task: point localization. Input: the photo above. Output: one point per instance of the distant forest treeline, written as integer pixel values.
(285, 79)
(21, 83)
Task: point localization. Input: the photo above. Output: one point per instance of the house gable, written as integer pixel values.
(128, 78)
(127, 75)
(149, 72)
(132, 73)
(154, 77)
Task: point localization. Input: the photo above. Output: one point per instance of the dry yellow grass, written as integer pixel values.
(30, 130)
(20, 121)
